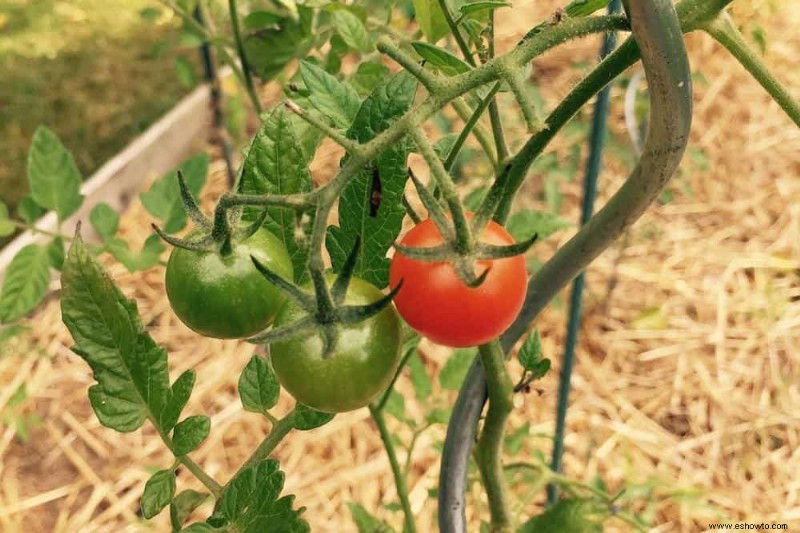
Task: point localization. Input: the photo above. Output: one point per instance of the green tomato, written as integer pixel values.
(225, 297)
(356, 372)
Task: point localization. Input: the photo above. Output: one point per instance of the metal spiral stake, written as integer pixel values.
(657, 34)
(593, 165)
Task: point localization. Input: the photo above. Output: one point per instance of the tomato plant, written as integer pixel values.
(223, 295)
(437, 303)
(360, 367)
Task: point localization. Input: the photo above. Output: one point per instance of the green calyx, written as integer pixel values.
(326, 312)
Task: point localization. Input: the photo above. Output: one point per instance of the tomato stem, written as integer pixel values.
(246, 74)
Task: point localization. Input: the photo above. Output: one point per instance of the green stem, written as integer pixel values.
(34, 229)
(494, 111)
(278, 432)
(213, 487)
(482, 135)
(469, 126)
(385, 398)
(399, 478)
(462, 44)
(248, 76)
(490, 444)
(724, 31)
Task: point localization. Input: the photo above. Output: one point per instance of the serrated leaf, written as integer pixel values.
(455, 369)
(148, 257)
(163, 200)
(130, 369)
(25, 284)
(430, 18)
(351, 30)
(484, 5)
(306, 418)
(6, 226)
(258, 386)
(368, 75)
(389, 101)
(182, 506)
(55, 252)
(53, 176)
(270, 49)
(189, 434)
(29, 211)
(251, 502)
(333, 98)
(524, 224)
(419, 378)
(181, 391)
(104, 220)
(439, 58)
(366, 522)
(158, 493)
(277, 164)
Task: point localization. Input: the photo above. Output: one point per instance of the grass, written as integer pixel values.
(95, 71)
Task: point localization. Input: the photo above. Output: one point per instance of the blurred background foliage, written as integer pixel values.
(97, 72)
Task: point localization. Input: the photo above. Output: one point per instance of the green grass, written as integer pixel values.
(95, 71)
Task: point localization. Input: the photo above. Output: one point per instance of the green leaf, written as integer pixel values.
(566, 515)
(29, 211)
(306, 418)
(158, 493)
(54, 179)
(134, 261)
(484, 5)
(351, 30)
(105, 220)
(389, 101)
(199, 527)
(6, 226)
(189, 434)
(277, 164)
(396, 405)
(366, 522)
(270, 49)
(130, 369)
(260, 19)
(531, 351)
(185, 73)
(335, 99)
(258, 386)
(251, 502)
(473, 200)
(455, 369)
(419, 378)
(25, 284)
(163, 200)
(439, 58)
(431, 20)
(183, 505)
(368, 75)
(524, 224)
(55, 252)
(181, 390)
(584, 8)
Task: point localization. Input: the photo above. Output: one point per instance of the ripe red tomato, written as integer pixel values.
(435, 302)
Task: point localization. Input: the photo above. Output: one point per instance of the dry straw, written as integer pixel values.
(686, 388)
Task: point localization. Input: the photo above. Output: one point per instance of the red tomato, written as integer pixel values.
(435, 302)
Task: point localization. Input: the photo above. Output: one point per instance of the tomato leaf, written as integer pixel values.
(6, 226)
(270, 49)
(130, 368)
(524, 224)
(55, 252)
(387, 102)
(484, 5)
(182, 506)
(396, 406)
(306, 418)
(181, 390)
(566, 515)
(335, 99)
(368, 75)
(25, 284)
(258, 386)
(455, 369)
(189, 434)
(251, 502)
(439, 58)
(351, 30)
(431, 20)
(105, 220)
(366, 522)
(158, 493)
(584, 8)
(135, 261)
(419, 378)
(29, 211)
(163, 200)
(277, 164)
(54, 178)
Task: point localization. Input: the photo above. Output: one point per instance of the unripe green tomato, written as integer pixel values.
(359, 368)
(225, 297)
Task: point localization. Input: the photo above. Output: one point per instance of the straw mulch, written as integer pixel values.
(686, 387)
